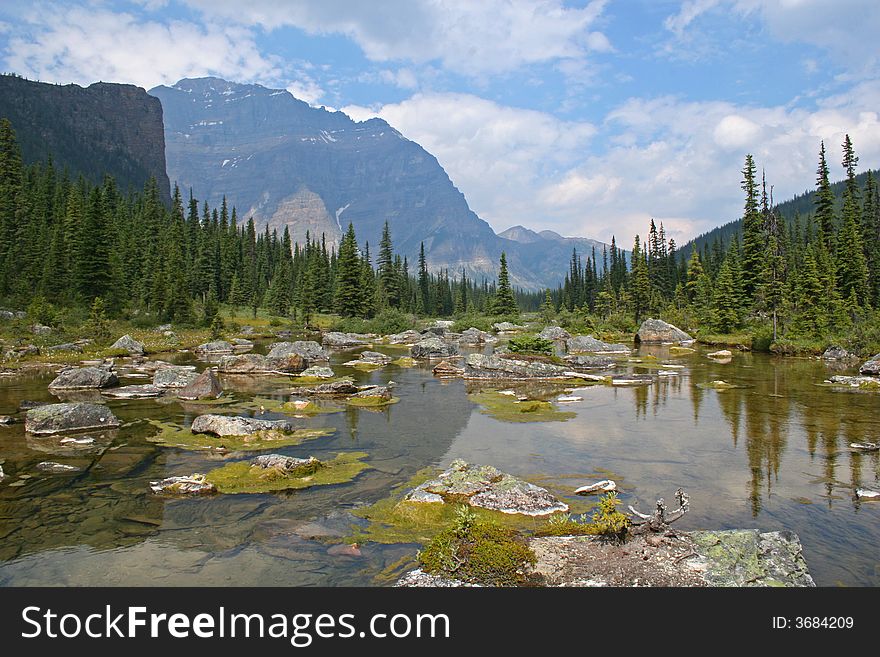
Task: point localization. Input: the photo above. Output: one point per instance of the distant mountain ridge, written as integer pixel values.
(285, 163)
(95, 130)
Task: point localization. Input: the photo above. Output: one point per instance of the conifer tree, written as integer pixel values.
(504, 302)
(823, 200)
(349, 300)
(754, 241)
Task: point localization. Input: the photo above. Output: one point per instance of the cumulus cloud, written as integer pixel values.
(79, 44)
(471, 38)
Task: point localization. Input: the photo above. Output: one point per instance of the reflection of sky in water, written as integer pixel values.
(772, 454)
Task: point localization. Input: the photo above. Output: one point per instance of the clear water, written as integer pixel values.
(772, 455)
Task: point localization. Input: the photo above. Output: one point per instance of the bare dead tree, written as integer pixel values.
(662, 517)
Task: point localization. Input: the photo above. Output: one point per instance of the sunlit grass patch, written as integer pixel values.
(242, 477)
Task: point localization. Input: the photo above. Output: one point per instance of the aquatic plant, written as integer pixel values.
(243, 477)
(172, 435)
(508, 408)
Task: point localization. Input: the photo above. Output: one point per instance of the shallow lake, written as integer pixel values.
(772, 453)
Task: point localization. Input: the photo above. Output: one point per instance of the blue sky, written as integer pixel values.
(584, 117)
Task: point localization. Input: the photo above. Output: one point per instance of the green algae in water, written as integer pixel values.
(173, 435)
(371, 402)
(507, 408)
(277, 406)
(242, 477)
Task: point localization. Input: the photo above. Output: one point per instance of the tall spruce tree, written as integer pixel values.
(504, 302)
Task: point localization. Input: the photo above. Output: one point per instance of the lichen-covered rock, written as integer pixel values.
(481, 366)
(588, 344)
(285, 464)
(554, 333)
(174, 376)
(871, 367)
(77, 378)
(129, 344)
(581, 362)
(474, 336)
(56, 418)
(134, 392)
(374, 392)
(215, 347)
(344, 387)
(506, 327)
(406, 337)
(205, 386)
(656, 331)
(748, 557)
(419, 578)
(235, 425)
(433, 348)
(318, 372)
(374, 358)
(244, 364)
(194, 484)
(837, 353)
(240, 344)
(487, 487)
(445, 369)
(864, 382)
(307, 349)
(342, 340)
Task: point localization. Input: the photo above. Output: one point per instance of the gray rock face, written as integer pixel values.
(656, 331)
(379, 392)
(580, 362)
(244, 364)
(194, 484)
(284, 463)
(505, 327)
(233, 425)
(487, 487)
(340, 388)
(837, 353)
(318, 372)
(554, 333)
(480, 366)
(588, 344)
(134, 392)
(84, 377)
(215, 347)
(308, 349)
(871, 367)
(406, 337)
(129, 344)
(433, 348)
(342, 340)
(174, 376)
(476, 336)
(56, 418)
(205, 386)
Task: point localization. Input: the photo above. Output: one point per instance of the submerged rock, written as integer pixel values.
(337, 339)
(604, 486)
(632, 380)
(174, 376)
(554, 333)
(235, 425)
(487, 487)
(78, 378)
(53, 467)
(215, 347)
(721, 354)
(656, 331)
(205, 386)
(481, 366)
(589, 344)
(307, 349)
(134, 392)
(433, 348)
(129, 344)
(56, 418)
(194, 484)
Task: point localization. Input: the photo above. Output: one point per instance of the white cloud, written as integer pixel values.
(82, 45)
(472, 38)
(306, 89)
(690, 10)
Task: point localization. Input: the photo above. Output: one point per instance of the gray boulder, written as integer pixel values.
(433, 348)
(78, 378)
(307, 349)
(581, 362)
(343, 387)
(66, 346)
(57, 418)
(134, 392)
(194, 484)
(378, 392)
(318, 372)
(53, 467)
(374, 358)
(589, 344)
(174, 376)
(39, 329)
(481, 366)
(837, 353)
(656, 331)
(285, 463)
(476, 336)
(240, 344)
(406, 337)
(7, 315)
(871, 367)
(505, 327)
(205, 386)
(486, 487)
(245, 364)
(554, 333)
(235, 425)
(342, 340)
(215, 347)
(129, 344)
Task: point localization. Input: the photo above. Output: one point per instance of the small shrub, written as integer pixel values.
(98, 327)
(608, 521)
(41, 311)
(217, 327)
(530, 344)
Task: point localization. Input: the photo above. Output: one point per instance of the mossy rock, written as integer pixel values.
(311, 408)
(371, 402)
(242, 477)
(173, 435)
(507, 408)
(681, 351)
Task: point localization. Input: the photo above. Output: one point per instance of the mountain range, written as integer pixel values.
(284, 163)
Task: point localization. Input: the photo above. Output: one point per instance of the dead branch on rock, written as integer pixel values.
(662, 517)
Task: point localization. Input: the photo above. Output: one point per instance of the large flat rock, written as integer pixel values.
(55, 418)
